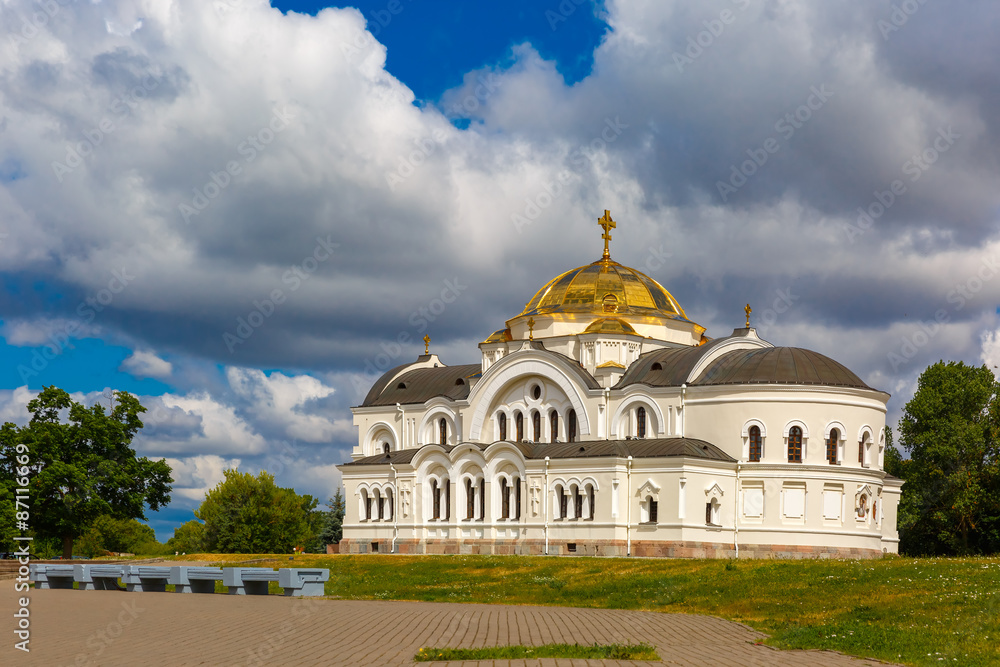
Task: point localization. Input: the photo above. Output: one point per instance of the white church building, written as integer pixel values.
(602, 421)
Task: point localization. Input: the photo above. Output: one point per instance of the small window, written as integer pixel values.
(470, 499)
(610, 303)
(657, 366)
(519, 426)
(708, 513)
(503, 426)
(640, 427)
(653, 510)
(536, 426)
(436, 498)
(577, 503)
(442, 432)
(381, 508)
(831, 446)
(482, 498)
(590, 490)
(536, 392)
(571, 426)
(401, 385)
(385, 447)
(459, 382)
(571, 547)
(795, 445)
(755, 444)
(374, 547)
(553, 426)
(563, 503)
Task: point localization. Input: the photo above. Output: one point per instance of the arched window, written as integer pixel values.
(571, 426)
(563, 502)
(831, 446)
(436, 498)
(795, 445)
(553, 426)
(482, 499)
(366, 505)
(504, 498)
(713, 513)
(390, 505)
(517, 498)
(536, 426)
(385, 447)
(519, 426)
(863, 449)
(756, 447)
(380, 503)
(651, 510)
(640, 426)
(503, 425)
(470, 499)
(592, 497)
(442, 432)
(577, 503)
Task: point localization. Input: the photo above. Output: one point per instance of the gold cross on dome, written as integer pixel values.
(608, 224)
(748, 310)
(531, 328)
(427, 344)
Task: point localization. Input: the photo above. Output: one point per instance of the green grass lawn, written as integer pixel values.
(569, 651)
(915, 611)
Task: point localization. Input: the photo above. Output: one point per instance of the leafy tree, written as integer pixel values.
(109, 534)
(951, 429)
(188, 538)
(333, 531)
(84, 468)
(247, 514)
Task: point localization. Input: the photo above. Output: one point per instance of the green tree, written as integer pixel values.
(109, 534)
(188, 538)
(951, 429)
(333, 530)
(81, 469)
(247, 514)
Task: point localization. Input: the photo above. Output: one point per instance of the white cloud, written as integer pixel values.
(280, 399)
(143, 364)
(196, 475)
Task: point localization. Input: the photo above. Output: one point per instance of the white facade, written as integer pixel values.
(638, 436)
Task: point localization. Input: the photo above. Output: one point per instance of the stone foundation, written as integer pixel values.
(608, 548)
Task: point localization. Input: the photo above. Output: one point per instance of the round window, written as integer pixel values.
(536, 392)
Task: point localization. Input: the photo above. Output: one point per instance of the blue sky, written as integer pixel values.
(416, 148)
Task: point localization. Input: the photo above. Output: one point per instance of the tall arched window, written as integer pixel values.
(563, 501)
(482, 499)
(442, 432)
(795, 445)
(590, 492)
(863, 450)
(389, 498)
(755, 443)
(536, 426)
(436, 499)
(577, 503)
(504, 498)
(470, 499)
(640, 418)
(571, 426)
(503, 425)
(831, 446)
(380, 504)
(519, 426)
(553, 426)
(517, 498)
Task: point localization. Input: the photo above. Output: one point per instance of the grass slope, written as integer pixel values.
(915, 611)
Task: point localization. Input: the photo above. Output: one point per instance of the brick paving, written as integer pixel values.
(85, 628)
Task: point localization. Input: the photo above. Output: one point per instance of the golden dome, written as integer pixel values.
(605, 288)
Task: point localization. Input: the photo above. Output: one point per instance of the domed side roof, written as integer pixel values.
(779, 365)
(666, 367)
(604, 287)
(423, 384)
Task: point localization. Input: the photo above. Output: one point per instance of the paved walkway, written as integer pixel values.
(86, 628)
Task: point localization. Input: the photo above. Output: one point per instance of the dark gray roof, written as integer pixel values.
(640, 448)
(670, 367)
(779, 365)
(422, 384)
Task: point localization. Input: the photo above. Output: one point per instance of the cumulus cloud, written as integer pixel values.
(143, 364)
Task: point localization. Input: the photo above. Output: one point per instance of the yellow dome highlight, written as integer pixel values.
(606, 288)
